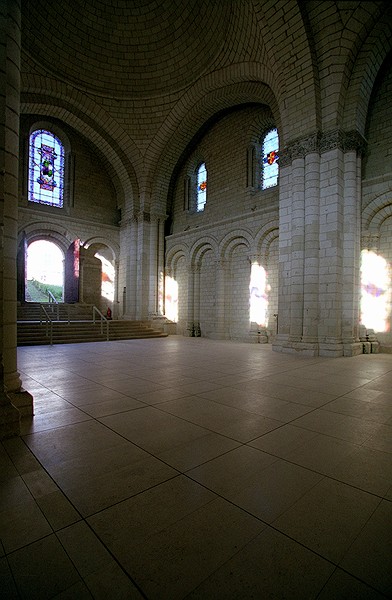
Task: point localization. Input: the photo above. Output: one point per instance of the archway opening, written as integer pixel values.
(44, 272)
(99, 277)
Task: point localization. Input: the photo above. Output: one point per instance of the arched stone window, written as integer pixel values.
(201, 187)
(270, 159)
(46, 169)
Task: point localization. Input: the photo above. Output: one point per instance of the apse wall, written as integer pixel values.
(219, 244)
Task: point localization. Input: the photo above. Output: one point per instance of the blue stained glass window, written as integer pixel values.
(270, 157)
(201, 187)
(46, 169)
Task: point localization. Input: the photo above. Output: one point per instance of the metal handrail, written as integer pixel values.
(103, 320)
(48, 322)
(54, 301)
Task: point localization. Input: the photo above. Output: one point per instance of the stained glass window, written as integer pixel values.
(270, 157)
(46, 169)
(201, 187)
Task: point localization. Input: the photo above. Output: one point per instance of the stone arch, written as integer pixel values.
(101, 241)
(117, 150)
(368, 62)
(174, 255)
(51, 232)
(265, 236)
(190, 117)
(54, 128)
(376, 212)
(242, 237)
(200, 247)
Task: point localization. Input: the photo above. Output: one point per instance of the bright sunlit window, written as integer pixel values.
(44, 272)
(171, 299)
(375, 292)
(201, 187)
(45, 262)
(107, 288)
(258, 295)
(46, 169)
(270, 158)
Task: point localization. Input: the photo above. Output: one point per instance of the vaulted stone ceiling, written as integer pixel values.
(137, 48)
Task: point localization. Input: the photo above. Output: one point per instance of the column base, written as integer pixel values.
(353, 348)
(285, 345)
(23, 401)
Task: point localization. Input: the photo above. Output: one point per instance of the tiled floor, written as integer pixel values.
(191, 468)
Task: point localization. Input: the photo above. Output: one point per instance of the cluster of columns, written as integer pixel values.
(141, 268)
(319, 244)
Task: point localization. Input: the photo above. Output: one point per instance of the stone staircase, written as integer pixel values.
(72, 324)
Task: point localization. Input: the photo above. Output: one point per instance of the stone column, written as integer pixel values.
(331, 246)
(153, 267)
(156, 265)
(281, 340)
(353, 146)
(9, 166)
(196, 296)
(161, 263)
(127, 267)
(311, 260)
(116, 303)
(191, 302)
(220, 301)
(297, 250)
(299, 197)
(319, 210)
(142, 265)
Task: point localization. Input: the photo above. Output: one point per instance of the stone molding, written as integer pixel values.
(370, 240)
(139, 217)
(318, 143)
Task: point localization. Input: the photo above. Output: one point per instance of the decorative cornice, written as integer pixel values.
(353, 140)
(346, 141)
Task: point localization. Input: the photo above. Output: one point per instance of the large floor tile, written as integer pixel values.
(284, 440)
(370, 556)
(270, 566)
(239, 425)
(42, 570)
(372, 411)
(152, 429)
(195, 452)
(102, 574)
(231, 473)
(342, 586)
(328, 518)
(290, 393)
(73, 441)
(52, 420)
(8, 589)
(22, 524)
(274, 490)
(259, 404)
(344, 427)
(128, 523)
(215, 470)
(172, 562)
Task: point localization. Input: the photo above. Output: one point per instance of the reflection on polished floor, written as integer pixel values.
(191, 468)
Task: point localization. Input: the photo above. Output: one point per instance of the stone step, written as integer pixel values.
(34, 333)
